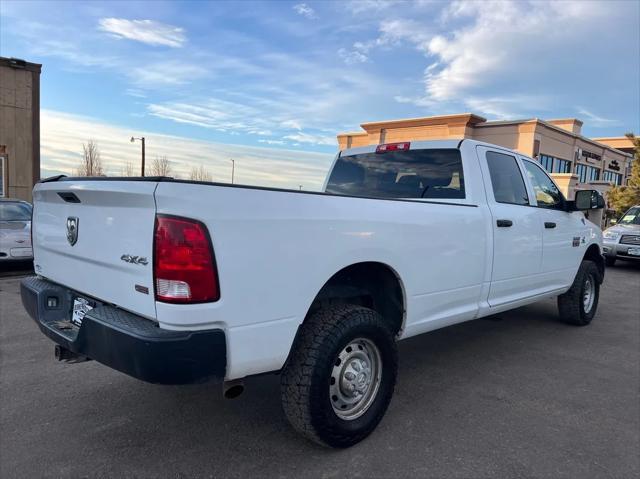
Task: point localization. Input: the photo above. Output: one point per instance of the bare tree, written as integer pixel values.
(127, 169)
(91, 165)
(160, 166)
(200, 173)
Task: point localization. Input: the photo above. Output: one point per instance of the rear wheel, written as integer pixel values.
(339, 380)
(578, 305)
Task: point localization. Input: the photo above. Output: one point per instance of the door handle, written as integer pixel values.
(504, 223)
(549, 224)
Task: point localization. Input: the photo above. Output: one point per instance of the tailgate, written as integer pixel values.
(105, 256)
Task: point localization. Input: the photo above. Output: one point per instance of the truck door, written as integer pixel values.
(562, 238)
(517, 231)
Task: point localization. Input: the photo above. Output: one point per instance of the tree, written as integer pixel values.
(127, 170)
(200, 173)
(90, 165)
(160, 166)
(621, 198)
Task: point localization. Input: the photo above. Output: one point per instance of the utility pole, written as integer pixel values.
(233, 169)
(142, 140)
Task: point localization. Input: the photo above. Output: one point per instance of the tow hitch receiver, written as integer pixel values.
(67, 356)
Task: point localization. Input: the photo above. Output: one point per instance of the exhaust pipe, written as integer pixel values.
(232, 389)
(66, 356)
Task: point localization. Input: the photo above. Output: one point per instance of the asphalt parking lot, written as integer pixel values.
(518, 395)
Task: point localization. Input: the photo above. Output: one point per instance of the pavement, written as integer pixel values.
(514, 395)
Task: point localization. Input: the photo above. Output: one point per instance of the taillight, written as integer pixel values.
(393, 147)
(184, 266)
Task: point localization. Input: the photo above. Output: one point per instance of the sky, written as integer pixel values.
(270, 84)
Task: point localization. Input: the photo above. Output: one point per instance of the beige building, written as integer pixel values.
(574, 161)
(19, 127)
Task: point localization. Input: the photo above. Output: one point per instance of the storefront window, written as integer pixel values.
(547, 162)
(561, 166)
(555, 165)
(587, 173)
(615, 178)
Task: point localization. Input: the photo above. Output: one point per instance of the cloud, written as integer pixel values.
(216, 114)
(62, 136)
(166, 73)
(353, 56)
(370, 6)
(305, 10)
(145, 31)
(497, 41)
(313, 139)
(595, 120)
(134, 92)
(291, 124)
(272, 142)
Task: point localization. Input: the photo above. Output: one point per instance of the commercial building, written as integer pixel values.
(19, 127)
(574, 161)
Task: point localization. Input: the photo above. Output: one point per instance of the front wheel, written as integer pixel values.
(339, 380)
(578, 305)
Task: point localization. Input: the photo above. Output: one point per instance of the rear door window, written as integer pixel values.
(506, 179)
(426, 173)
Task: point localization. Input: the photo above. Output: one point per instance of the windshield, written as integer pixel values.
(631, 217)
(427, 173)
(10, 211)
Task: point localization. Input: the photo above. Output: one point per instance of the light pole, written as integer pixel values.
(233, 169)
(133, 139)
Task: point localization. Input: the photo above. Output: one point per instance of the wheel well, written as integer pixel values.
(373, 285)
(593, 254)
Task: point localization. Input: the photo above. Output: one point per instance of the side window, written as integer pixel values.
(506, 179)
(547, 193)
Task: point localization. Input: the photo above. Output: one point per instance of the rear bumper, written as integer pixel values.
(124, 341)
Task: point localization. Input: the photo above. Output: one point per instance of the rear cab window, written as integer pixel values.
(418, 173)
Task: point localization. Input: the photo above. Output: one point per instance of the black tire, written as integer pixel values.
(571, 305)
(610, 260)
(306, 378)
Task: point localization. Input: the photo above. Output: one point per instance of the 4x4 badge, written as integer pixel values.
(127, 258)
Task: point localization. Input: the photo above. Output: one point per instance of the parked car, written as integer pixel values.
(15, 230)
(175, 281)
(622, 241)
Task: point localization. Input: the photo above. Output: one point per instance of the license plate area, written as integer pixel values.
(633, 252)
(81, 307)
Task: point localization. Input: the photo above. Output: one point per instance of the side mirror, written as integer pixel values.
(588, 200)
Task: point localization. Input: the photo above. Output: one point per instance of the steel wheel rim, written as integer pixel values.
(588, 294)
(355, 379)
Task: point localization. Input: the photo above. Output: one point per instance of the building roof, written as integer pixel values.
(468, 118)
(567, 126)
(20, 64)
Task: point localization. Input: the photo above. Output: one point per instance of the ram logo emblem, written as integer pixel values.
(72, 229)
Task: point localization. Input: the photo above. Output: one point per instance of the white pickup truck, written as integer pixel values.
(175, 281)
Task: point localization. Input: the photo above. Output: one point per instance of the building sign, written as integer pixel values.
(588, 154)
(614, 165)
